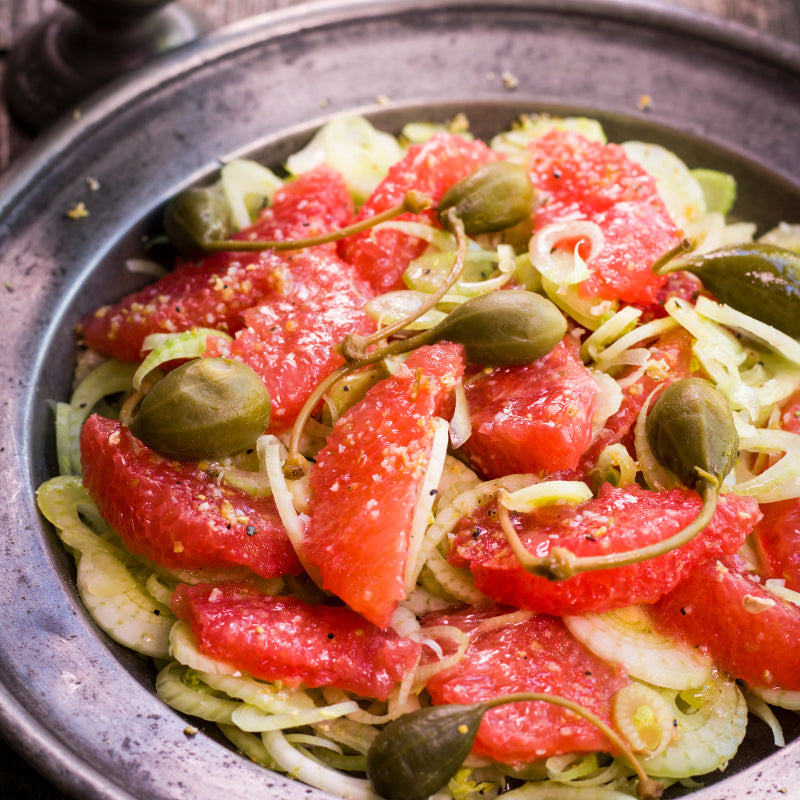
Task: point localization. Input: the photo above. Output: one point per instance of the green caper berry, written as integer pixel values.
(504, 328)
(494, 197)
(196, 217)
(414, 756)
(208, 408)
(691, 431)
(758, 279)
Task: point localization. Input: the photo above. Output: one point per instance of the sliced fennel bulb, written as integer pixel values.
(627, 637)
(678, 187)
(708, 734)
(353, 146)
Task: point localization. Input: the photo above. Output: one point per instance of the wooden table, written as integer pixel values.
(780, 18)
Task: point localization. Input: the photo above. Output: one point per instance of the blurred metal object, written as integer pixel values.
(65, 57)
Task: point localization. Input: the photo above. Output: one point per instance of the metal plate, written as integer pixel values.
(83, 709)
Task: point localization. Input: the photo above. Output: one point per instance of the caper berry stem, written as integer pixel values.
(417, 754)
(664, 264)
(354, 347)
(413, 202)
(132, 401)
(295, 465)
(646, 789)
(354, 350)
(561, 564)
(130, 405)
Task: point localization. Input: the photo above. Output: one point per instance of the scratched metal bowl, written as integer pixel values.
(82, 709)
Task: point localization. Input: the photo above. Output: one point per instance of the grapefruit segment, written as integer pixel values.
(617, 520)
(364, 487)
(213, 292)
(579, 179)
(521, 653)
(748, 632)
(534, 418)
(174, 513)
(286, 639)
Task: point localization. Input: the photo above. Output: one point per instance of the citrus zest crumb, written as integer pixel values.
(78, 211)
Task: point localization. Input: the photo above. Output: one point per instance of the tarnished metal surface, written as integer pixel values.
(83, 709)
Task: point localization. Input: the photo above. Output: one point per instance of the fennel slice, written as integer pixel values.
(627, 636)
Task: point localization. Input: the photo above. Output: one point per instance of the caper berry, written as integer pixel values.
(691, 431)
(494, 197)
(504, 328)
(208, 408)
(498, 329)
(758, 279)
(414, 756)
(196, 217)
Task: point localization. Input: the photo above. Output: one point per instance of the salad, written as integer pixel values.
(446, 468)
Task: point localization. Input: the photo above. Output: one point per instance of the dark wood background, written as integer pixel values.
(781, 18)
